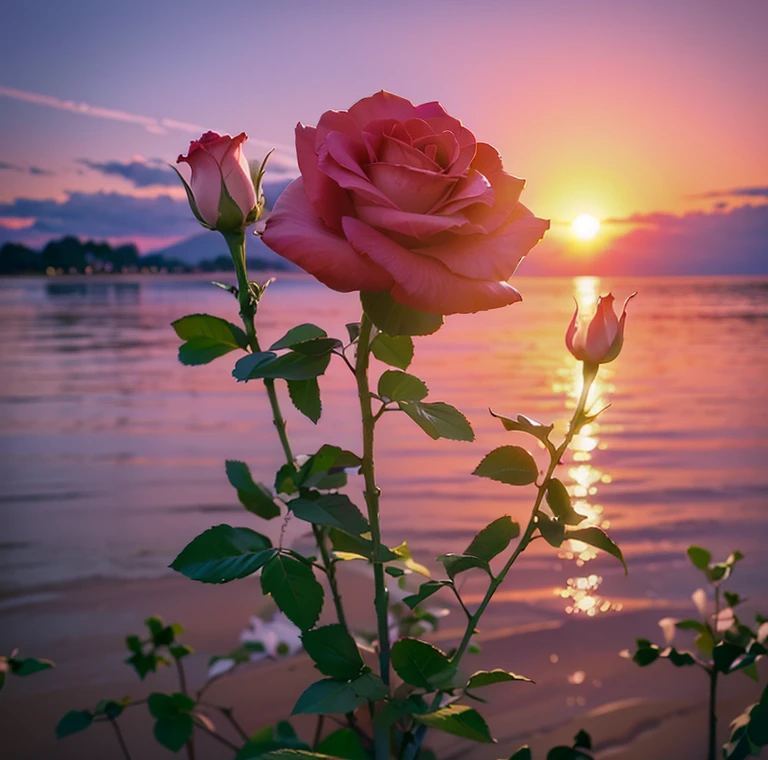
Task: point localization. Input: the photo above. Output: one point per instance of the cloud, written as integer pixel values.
(138, 173)
(735, 192)
(36, 170)
(103, 215)
(156, 173)
(151, 124)
(733, 241)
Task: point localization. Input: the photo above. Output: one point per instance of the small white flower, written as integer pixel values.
(279, 637)
(699, 598)
(667, 625)
(220, 667)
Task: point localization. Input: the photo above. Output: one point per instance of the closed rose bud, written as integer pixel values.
(221, 192)
(597, 339)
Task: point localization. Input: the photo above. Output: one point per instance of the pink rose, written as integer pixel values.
(402, 198)
(597, 339)
(222, 194)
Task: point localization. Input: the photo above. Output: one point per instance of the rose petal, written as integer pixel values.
(414, 190)
(237, 175)
(465, 138)
(329, 200)
(495, 256)
(444, 149)
(347, 152)
(474, 188)
(390, 150)
(335, 121)
(420, 227)
(361, 187)
(294, 231)
(424, 283)
(205, 183)
(382, 105)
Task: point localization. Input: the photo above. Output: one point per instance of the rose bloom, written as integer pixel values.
(218, 165)
(597, 338)
(402, 198)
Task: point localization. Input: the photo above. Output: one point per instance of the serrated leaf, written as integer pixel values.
(222, 554)
(552, 531)
(255, 497)
(700, 558)
(397, 352)
(327, 697)
(421, 664)
(595, 537)
(395, 319)
(290, 366)
(334, 652)
(73, 722)
(458, 720)
(305, 396)
(439, 420)
(207, 338)
(174, 732)
(488, 677)
(400, 386)
(294, 589)
(371, 687)
(525, 424)
(26, 666)
(560, 503)
(493, 539)
(425, 591)
(512, 465)
(334, 510)
(524, 753)
(298, 334)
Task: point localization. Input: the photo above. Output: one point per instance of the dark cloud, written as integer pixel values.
(104, 215)
(735, 192)
(138, 173)
(36, 170)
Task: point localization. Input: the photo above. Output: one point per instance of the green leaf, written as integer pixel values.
(646, 653)
(524, 753)
(344, 744)
(180, 651)
(110, 708)
(525, 424)
(334, 652)
(349, 547)
(439, 420)
(699, 557)
(174, 732)
(553, 531)
(425, 591)
(400, 386)
(169, 705)
(488, 677)
(459, 563)
(328, 697)
(255, 497)
(293, 754)
(298, 334)
(290, 366)
(493, 539)
(421, 664)
(725, 655)
(582, 739)
(222, 554)
(353, 330)
(73, 722)
(678, 659)
(567, 753)
(560, 503)
(691, 625)
(458, 720)
(395, 319)
(397, 352)
(318, 346)
(334, 510)
(595, 537)
(508, 464)
(207, 338)
(371, 687)
(294, 589)
(305, 395)
(29, 665)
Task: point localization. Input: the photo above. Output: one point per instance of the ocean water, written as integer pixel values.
(112, 453)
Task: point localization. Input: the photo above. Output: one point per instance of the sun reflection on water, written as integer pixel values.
(584, 479)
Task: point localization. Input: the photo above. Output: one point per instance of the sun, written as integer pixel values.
(585, 226)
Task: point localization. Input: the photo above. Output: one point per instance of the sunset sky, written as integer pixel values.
(651, 116)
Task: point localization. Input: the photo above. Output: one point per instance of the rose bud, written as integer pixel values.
(597, 339)
(402, 198)
(222, 193)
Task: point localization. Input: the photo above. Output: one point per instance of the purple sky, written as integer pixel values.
(610, 108)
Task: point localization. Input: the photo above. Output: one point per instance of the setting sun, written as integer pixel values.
(585, 226)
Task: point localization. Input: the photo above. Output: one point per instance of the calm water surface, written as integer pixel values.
(113, 453)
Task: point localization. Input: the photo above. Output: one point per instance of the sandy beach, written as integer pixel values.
(632, 713)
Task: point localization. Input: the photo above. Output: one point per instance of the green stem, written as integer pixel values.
(236, 243)
(381, 600)
(712, 746)
(590, 372)
(120, 739)
(190, 744)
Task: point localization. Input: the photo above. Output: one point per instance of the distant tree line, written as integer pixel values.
(71, 256)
